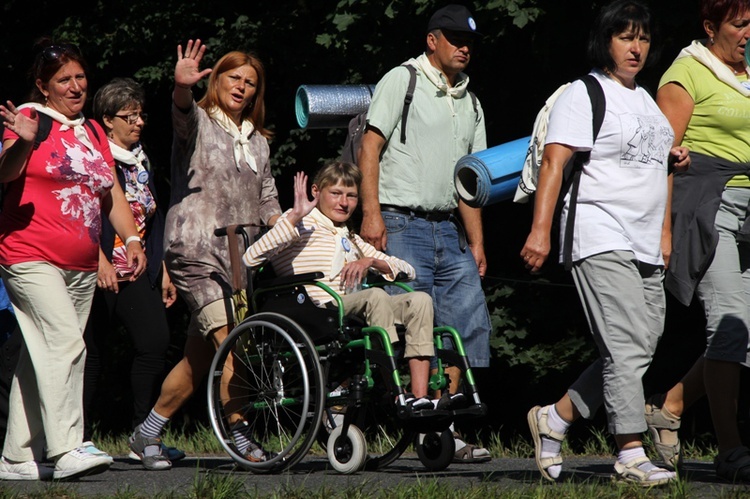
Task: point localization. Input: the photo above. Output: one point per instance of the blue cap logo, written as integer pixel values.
(472, 24)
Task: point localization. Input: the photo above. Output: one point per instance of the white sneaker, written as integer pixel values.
(28, 470)
(78, 463)
(89, 447)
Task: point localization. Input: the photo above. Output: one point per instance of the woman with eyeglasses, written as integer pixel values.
(221, 175)
(138, 305)
(58, 172)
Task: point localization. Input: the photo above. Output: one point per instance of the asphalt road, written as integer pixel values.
(313, 473)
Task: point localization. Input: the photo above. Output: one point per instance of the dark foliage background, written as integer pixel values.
(540, 339)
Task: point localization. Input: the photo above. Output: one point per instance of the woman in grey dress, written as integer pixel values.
(221, 175)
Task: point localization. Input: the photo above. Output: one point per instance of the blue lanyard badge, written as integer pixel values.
(142, 177)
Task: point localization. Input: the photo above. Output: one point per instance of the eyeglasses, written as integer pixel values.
(54, 52)
(132, 118)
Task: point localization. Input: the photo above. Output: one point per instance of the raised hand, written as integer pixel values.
(17, 122)
(302, 204)
(187, 70)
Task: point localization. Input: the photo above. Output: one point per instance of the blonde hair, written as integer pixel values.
(347, 173)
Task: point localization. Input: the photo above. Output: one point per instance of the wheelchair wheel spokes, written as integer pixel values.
(267, 374)
(386, 436)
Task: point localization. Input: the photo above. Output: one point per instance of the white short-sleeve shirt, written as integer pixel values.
(623, 189)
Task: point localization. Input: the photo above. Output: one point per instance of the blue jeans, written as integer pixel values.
(449, 275)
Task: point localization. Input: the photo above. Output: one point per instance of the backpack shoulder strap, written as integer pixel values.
(408, 98)
(474, 105)
(598, 110)
(90, 125)
(598, 102)
(45, 126)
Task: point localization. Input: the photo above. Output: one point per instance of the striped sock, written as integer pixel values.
(153, 425)
(239, 432)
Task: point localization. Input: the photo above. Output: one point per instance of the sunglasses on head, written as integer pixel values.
(55, 52)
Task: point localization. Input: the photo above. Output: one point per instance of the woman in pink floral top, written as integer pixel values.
(56, 189)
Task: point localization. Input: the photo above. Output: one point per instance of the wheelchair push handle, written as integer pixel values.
(239, 229)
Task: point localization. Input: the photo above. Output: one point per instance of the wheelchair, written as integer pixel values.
(293, 373)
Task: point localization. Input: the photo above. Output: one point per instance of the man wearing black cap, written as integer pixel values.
(410, 206)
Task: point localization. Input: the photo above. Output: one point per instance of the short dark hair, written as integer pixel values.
(614, 18)
(50, 57)
(118, 94)
(718, 11)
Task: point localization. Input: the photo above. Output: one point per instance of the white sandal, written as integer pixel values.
(537, 419)
(631, 473)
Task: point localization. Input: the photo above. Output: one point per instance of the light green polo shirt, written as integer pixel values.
(720, 124)
(419, 173)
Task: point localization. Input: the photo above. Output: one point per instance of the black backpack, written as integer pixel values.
(358, 124)
(572, 173)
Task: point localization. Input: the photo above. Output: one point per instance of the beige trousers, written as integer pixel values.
(46, 397)
(413, 310)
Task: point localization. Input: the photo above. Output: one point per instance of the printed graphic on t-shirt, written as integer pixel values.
(85, 180)
(646, 141)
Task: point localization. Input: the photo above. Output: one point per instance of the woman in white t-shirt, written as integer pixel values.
(616, 252)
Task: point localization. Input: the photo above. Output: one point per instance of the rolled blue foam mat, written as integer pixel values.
(491, 176)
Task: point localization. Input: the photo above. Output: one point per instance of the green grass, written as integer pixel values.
(202, 442)
(208, 485)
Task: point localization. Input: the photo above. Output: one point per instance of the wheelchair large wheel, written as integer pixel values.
(267, 374)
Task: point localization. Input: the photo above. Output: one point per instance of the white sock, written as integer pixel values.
(552, 448)
(556, 422)
(627, 455)
(460, 444)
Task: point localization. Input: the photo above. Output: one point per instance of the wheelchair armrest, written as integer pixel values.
(378, 279)
(291, 280)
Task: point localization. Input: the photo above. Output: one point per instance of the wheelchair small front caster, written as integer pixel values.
(347, 453)
(436, 449)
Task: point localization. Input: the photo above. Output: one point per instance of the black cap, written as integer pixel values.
(454, 18)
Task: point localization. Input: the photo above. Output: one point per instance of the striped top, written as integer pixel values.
(311, 246)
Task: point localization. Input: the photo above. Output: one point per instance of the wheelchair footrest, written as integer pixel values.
(476, 410)
(426, 419)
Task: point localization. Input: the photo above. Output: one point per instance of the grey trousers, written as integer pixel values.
(624, 304)
(724, 290)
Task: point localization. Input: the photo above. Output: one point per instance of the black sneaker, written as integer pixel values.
(452, 402)
(417, 404)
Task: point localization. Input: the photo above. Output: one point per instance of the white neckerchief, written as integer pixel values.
(76, 124)
(698, 51)
(346, 251)
(438, 79)
(240, 137)
(134, 157)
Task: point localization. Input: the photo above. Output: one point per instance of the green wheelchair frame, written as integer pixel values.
(272, 372)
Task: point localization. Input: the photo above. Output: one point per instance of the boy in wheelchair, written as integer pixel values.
(313, 237)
